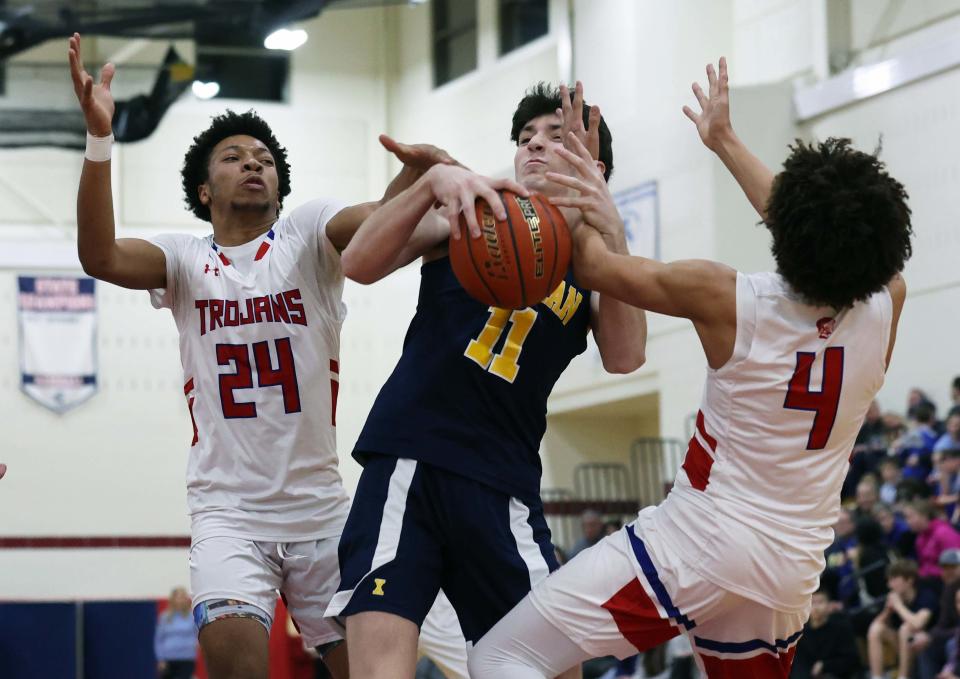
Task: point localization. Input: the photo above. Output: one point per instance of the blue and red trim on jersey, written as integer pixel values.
(731, 647)
(653, 578)
(698, 461)
(261, 251)
(264, 246)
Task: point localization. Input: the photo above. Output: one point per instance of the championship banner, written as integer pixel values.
(58, 340)
(639, 208)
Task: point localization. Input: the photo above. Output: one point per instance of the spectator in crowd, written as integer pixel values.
(827, 649)
(869, 449)
(612, 526)
(175, 639)
(867, 496)
(591, 522)
(931, 646)
(951, 437)
(890, 476)
(951, 669)
(915, 448)
(896, 532)
(840, 559)
(933, 536)
(917, 399)
(909, 609)
(948, 482)
(871, 560)
(954, 396)
(910, 489)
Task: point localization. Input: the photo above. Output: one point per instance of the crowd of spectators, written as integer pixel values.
(889, 598)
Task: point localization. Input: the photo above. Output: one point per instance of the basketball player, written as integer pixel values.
(449, 495)
(733, 555)
(258, 307)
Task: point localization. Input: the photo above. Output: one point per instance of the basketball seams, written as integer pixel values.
(516, 250)
(476, 268)
(556, 245)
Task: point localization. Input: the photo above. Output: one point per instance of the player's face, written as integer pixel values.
(537, 154)
(242, 176)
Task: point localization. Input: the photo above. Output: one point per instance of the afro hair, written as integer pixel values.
(840, 224)
(196, 163)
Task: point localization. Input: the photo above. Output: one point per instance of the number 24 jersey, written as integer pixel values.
(259, 332)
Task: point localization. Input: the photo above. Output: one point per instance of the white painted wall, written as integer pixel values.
(115, 465)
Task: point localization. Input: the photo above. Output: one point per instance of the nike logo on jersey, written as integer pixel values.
(284, 307)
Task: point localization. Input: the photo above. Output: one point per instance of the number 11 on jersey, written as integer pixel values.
(505, 364)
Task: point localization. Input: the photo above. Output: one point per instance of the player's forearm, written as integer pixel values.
(406, 178)
(751, 174)
(621, 334)
(373, 251)
(621, 329)
(96, 231)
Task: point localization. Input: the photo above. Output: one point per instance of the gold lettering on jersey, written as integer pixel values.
(494, 266)
(284, 307)
(378, 584)
(533, 224)
(564, 301)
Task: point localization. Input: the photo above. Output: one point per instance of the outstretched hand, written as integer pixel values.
(420, 157)
(593, 197)
(96, 100)
(3, 470)
(713, 121)
(572, 116)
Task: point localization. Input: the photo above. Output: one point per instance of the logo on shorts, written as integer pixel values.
(826, 326)
(378, 584)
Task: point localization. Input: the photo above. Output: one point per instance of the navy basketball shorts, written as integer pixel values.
(414, 529)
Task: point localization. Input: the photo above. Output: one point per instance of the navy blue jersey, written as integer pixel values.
(469, 393)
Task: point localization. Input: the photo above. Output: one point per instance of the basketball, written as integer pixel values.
(515, 263)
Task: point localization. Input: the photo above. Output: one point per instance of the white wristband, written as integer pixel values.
(98, 148)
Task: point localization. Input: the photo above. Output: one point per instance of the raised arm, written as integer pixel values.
(703, 291)
(128, 262)
(396, 233)
(619, 329)
(716, 132)
(416, 159)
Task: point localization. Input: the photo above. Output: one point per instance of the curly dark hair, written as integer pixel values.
(544, 98)
(840, 224)
(196, 164)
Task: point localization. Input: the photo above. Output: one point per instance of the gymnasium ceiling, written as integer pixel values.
(27, 23)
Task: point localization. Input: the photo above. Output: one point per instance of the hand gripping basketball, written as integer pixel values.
(518, 260)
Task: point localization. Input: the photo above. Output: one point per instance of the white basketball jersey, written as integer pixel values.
(753, 507)
(260, 342)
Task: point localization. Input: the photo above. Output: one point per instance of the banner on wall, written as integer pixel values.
(58, 340)
(639, 207)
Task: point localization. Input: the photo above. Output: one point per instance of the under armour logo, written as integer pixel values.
(206, 269)
(826, 326)
(378, 584)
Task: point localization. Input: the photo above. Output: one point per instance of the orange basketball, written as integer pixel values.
(515, 263)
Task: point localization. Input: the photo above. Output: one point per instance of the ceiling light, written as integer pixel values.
(203, 90)
(285, 39)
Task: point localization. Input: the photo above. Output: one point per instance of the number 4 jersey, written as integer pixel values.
(259, 331)
(753, 506)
